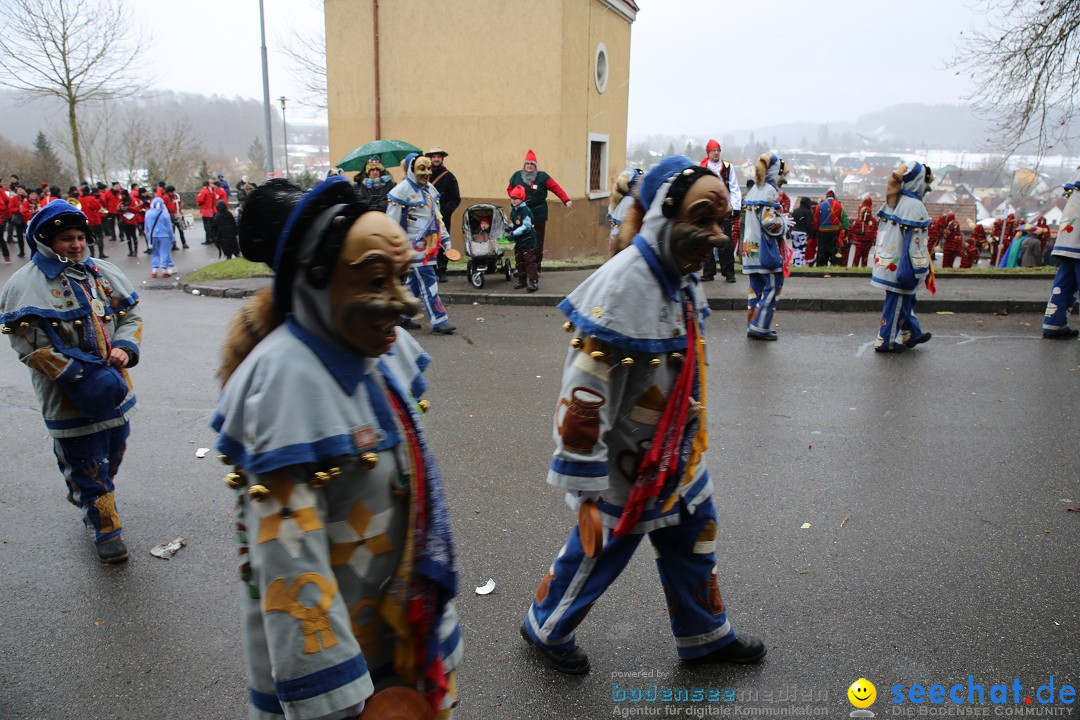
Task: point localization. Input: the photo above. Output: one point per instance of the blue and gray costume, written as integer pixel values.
(63, 317)
(765, 228)
(630, 323)
(1067, 279)
(901, 260)
(416, 208)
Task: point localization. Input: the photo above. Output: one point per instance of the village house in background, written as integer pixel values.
(552, 77)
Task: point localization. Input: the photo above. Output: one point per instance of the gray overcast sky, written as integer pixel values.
(697, 66)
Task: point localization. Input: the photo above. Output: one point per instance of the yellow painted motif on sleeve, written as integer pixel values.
(318, 633)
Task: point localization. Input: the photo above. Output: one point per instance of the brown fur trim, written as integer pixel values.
(760, 168)
(631, 226)
(621, 189)
(256, 319)
(896, 182)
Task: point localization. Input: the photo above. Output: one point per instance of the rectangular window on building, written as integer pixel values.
(598, 166)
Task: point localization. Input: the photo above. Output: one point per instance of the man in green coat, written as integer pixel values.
(537, 184)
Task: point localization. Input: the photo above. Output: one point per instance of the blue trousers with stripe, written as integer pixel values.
(686, 559)
(761, 302)
(424, 284)
(898, 321)
(1062, 297)
(89, 463)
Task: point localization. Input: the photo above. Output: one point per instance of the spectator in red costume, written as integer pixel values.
(1009, 232)
(864, 232)
(1042, 231)
(92, 209)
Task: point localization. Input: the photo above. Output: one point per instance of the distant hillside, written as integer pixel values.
(225, 126)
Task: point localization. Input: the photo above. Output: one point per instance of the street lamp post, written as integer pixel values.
(284, 134)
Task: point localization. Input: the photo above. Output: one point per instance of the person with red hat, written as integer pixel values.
(830, 221)
(723, 170)
(521, 220)
(537, 185)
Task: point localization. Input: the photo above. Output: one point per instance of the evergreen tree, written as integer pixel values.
(256, 158)
(47, 167)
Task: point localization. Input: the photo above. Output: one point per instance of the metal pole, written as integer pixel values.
(284, 134)
(266, 96)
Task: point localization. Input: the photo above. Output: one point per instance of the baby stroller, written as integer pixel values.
(487, 253)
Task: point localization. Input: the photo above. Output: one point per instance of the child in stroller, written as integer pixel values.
(484, 228)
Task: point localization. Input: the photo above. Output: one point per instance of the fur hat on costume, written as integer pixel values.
(51, 220)
(770, 169)
(624, 185)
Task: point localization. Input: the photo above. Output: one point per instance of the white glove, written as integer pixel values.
(575, 498)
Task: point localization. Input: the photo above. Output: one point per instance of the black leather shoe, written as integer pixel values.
(112, 551)
(571, 662)
(444, 329)
(1070, 333)
(754, 336)
(520, 286)
(408, 324)
(103, 257)
(912, 342)
(731, 279)
(443, 277)
(533, 287)
(744, 650)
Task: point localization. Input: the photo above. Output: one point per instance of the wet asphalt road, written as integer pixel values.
(935, 485)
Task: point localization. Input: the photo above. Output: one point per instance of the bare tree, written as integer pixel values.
(74, 50)
(173, 150)
(307, 57)
(1026, 68)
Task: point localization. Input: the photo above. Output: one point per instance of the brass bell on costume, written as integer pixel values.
(575, 343)
(258, 492)
(655, 362)
(235, 480)
(627, 362)
(597, 354)
(424, 406)
(368, 460)
(321, 478)
(568, 326)
(6, 330)
(676, 357)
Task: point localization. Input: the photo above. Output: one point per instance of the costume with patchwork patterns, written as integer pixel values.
(1067, 280)
(348, 558)
(64, 316)
(629, 431)
(415, 206)
(901, 258)
(764, 248)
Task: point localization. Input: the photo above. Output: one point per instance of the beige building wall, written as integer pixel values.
(488, 80)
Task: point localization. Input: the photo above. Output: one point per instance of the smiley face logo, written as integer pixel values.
(862, 693)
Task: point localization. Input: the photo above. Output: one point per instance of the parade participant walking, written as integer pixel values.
(764, 249)
(864, 233)
(175, 205)
(72, 321)
(158, 228)
(128, 223)
(414, 205)
(206, 200)
(723, 170)
(449, 198)
(901, 258)
(1008, 232)
(537, 184)
(375, 185)
(524, 241)
(94, 212)
(16, 223)
(619, 204)
(110, 200)
(1067, 280)
(630, 427)
(346, 546)
(978, 238)
(953, 244)
(829, 221)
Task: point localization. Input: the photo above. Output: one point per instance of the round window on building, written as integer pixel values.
(601, 68)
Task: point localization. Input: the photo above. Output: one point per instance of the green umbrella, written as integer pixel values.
(390, 152)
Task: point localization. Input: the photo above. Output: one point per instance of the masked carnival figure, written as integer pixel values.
(764, 248)
(630, 430)
(902, 257)
(347, 556)
(414, 205)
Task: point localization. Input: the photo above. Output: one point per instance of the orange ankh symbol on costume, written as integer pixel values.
(318, 633)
